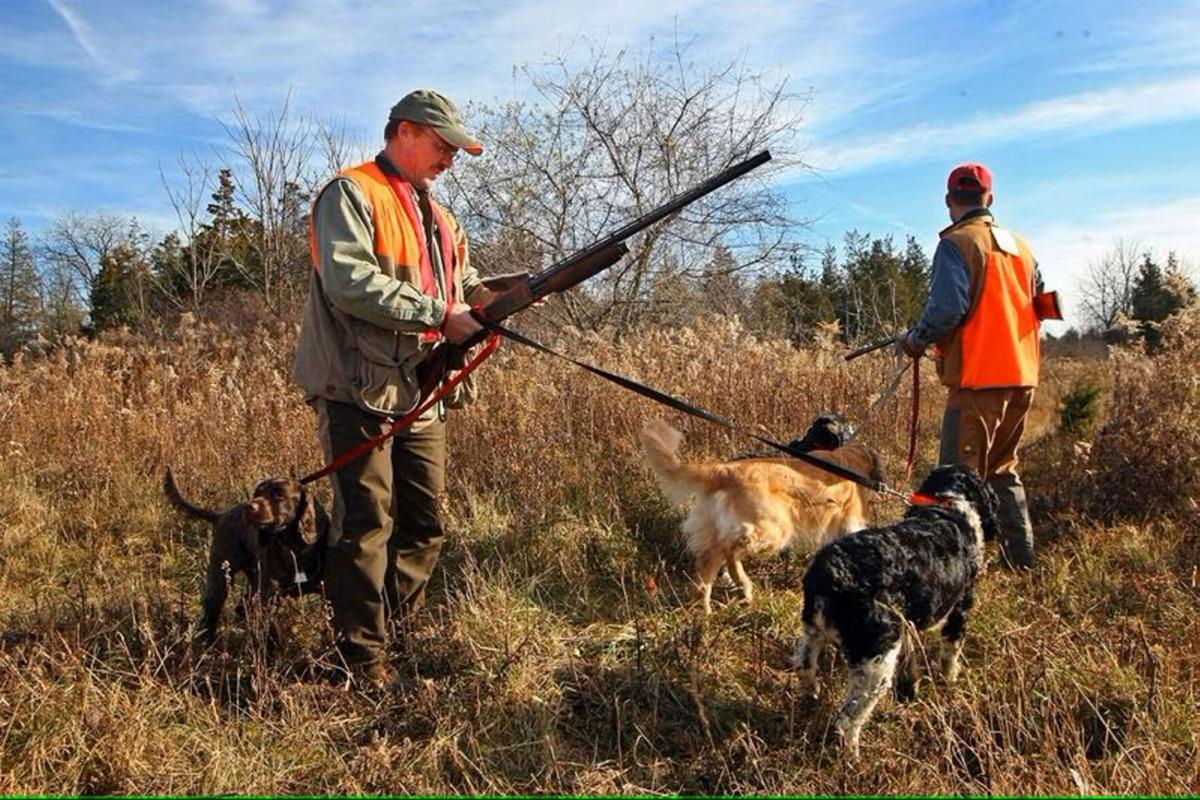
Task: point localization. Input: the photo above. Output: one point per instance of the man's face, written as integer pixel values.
(421, 154)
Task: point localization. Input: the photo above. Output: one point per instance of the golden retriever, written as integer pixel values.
(757, 506)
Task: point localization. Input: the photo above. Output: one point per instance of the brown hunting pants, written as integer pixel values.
(982, 428)
(386, 529)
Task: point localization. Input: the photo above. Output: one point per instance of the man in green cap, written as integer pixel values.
(391, 278)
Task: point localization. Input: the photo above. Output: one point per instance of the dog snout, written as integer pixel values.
(260, 511)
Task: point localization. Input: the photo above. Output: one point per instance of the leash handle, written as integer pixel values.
(356, 452)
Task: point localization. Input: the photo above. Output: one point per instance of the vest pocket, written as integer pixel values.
(385, 370)
(385, 388)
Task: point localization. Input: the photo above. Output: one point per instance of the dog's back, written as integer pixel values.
(822, 504)
(760, 504)
(920, 566)
(755, 505)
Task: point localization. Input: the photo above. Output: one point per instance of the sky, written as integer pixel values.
(1087, 113)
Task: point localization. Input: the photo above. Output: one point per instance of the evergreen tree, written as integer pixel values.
(20, 289)
(884, 289)
(1153, 301)
(229, 233)
(1178, 284)
(120, 294)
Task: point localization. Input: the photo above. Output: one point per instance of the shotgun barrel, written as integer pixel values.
(569, 272)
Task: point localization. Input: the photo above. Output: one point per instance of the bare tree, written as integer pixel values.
(271, 156)
(1106, 289)
(77, 244)
(613, 138)
(185, 281)
(337, 148)
(62, 311)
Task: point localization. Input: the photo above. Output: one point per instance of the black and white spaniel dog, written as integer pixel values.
(863, 590)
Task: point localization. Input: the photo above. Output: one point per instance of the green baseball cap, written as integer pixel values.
(437, 111)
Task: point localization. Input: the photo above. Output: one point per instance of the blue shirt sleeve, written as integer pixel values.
(949, 295)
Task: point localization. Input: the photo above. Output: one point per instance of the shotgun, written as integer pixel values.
(522, 292)
(872, 347)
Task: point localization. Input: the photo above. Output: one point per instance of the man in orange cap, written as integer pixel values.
(981, 318)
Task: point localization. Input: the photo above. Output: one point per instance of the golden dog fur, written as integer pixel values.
(756, 506)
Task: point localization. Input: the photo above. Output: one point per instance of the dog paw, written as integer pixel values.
(848, 740)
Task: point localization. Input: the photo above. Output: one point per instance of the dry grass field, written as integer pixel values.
(561, 650)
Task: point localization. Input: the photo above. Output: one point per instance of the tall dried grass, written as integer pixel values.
(559, 652)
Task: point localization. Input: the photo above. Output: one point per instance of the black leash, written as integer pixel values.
(671, 401)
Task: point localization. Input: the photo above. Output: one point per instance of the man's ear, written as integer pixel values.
(989, 200)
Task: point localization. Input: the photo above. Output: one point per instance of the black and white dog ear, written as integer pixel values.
(989, 511)
(985, 500)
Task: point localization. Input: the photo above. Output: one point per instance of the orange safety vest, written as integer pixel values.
(997, 344)
(400, 246)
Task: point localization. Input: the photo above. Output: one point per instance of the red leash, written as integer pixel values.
(370, 444)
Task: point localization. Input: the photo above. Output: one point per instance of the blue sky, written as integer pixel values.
(1088, 113)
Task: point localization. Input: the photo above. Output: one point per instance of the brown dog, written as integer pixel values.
(276, 539)
(758, 505)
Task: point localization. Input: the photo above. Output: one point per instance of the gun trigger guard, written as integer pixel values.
(455, 358)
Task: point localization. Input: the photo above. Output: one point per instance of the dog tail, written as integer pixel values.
(660, 443)
(182, 503)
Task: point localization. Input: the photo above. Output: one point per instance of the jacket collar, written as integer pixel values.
(973, 214)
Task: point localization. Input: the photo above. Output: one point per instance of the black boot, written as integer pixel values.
(1016, 531)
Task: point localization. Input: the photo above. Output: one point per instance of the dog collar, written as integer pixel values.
(923, 499)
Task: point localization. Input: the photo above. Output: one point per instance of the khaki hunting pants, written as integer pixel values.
(386, 530)
(982, 428)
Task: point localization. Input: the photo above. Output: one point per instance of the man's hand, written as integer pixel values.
(460, 325)
(906, 345)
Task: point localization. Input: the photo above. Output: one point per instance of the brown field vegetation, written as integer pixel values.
(561, 651)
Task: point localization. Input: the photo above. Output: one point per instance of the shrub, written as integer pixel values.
(1144, 458)
(1077, 413)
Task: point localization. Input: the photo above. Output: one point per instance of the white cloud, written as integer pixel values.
(83, 36)
(1069, 115)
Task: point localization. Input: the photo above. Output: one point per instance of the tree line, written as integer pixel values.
(604, 136)
(92, 272)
